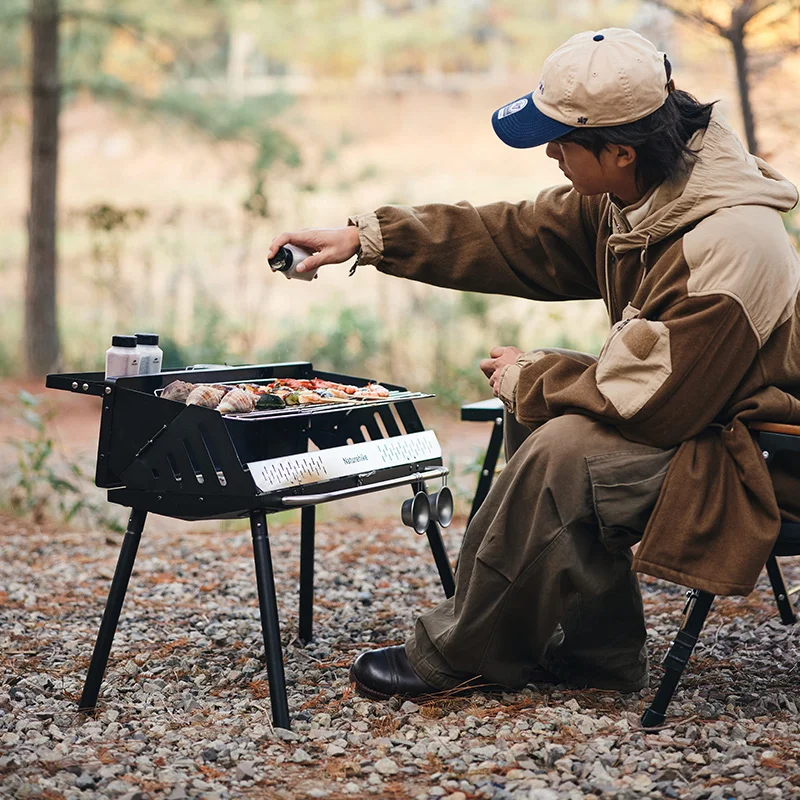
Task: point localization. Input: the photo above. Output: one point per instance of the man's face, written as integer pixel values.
(588, 174)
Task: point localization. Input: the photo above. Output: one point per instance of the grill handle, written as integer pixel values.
(340, 494)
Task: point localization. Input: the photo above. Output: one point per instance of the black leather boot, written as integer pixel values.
(380, 674)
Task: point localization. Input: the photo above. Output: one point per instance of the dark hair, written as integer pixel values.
(660, 139)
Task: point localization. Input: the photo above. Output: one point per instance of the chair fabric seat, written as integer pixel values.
(788, 543)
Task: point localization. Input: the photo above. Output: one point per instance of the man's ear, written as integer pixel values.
(624, 155)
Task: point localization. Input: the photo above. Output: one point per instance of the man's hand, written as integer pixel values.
(499, 357)
(328, 245)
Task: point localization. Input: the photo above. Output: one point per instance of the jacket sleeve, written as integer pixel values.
(542, 250)
(659, 381)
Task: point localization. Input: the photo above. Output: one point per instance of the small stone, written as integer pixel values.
(301, 757)
(385, 766)
(409, 708)
(84, 781)
(117, 788)
(244, 769)
(457, 796)
(335, 750)
(543, 794)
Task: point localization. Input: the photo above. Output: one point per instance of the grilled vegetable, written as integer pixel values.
(265, 401)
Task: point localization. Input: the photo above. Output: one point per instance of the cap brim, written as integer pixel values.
(526, 126)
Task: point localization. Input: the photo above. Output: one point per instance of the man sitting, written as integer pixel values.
(677, 228)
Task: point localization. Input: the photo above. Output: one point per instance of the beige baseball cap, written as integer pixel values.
(595, 79)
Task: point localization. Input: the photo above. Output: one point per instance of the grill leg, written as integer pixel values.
(116, 595)
(678, 656)
(781, 591)
(489, 463)
(268, 607)
(307, 574)
(441, 559)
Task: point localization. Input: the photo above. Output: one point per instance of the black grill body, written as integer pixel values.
(191, 463)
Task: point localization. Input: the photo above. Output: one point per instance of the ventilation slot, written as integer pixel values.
(213, 456)
(193, 462)
(174, 467)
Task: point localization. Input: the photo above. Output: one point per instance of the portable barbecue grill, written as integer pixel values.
(193, 463)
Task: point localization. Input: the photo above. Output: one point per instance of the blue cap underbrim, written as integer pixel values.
(527, 127)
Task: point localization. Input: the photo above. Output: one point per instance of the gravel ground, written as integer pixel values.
(184, 711)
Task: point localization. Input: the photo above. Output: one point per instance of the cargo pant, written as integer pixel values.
(544, 576)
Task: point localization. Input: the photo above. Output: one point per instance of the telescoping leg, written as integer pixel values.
(108, 626)
(679, 653)
(781, 592)
(306, 615)
(268, 607)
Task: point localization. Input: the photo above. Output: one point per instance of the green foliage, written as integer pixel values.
(347, 341)
(8, 365)
(41, 488)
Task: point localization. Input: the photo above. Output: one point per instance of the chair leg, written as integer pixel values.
(780, 591)
(489, 463)
(116, 596)
(679, 653)
(306, 615)
(270, 627)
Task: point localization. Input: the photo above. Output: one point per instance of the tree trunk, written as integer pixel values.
(41, 329)
(736, 38)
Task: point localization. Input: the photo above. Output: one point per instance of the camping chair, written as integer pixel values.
(772, 438)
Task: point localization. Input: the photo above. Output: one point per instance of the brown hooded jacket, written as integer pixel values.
(701, 285)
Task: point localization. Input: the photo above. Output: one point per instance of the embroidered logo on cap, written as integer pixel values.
(582, 120)
(512, 108)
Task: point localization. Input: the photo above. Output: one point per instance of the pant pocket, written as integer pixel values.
(625, 487)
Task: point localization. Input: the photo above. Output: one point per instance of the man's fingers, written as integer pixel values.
(317, 260)
(497, 351)
(279, 241)
(487, 367)
(307, 239)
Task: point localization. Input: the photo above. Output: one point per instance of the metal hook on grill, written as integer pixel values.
(416, 512)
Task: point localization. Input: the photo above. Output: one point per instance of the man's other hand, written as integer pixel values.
(328, 245)
(499, 357)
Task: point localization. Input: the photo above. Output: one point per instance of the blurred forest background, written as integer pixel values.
(180, 136)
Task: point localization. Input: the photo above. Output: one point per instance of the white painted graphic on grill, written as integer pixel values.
(340, 462)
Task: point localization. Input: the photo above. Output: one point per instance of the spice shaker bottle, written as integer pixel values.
(287, 259)
(150, 354)
(122, 357)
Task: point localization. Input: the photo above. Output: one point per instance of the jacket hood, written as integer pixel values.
(724, 175)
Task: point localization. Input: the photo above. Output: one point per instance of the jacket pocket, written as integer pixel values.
(634, 364)
(625, 487)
